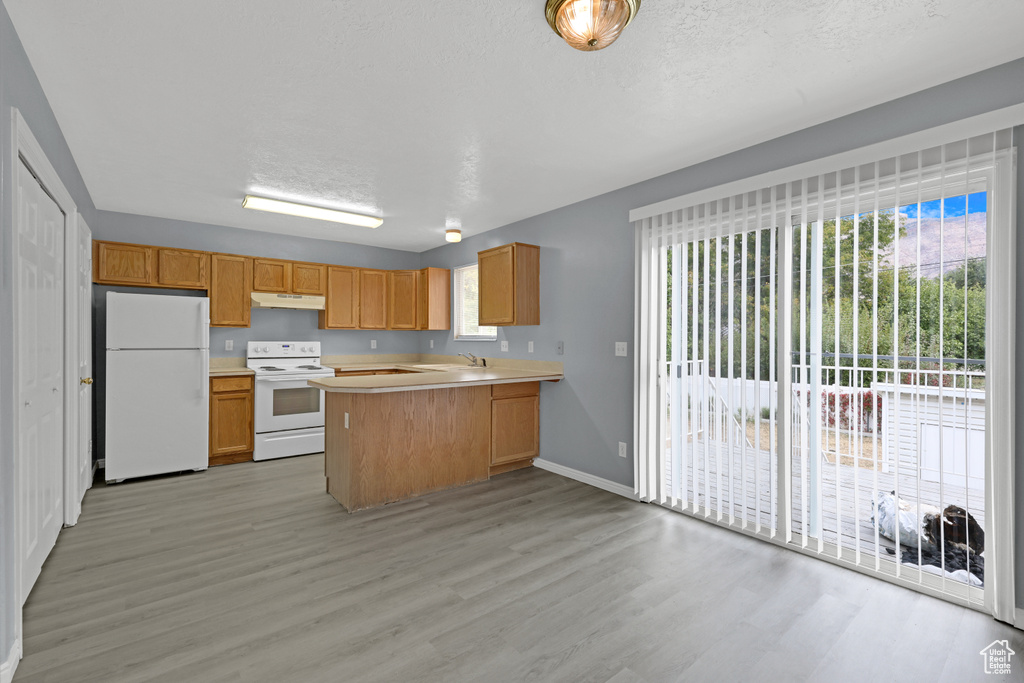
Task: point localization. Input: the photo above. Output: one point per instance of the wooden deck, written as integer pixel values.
(744, 491)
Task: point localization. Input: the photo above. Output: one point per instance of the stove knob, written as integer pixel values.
(305, 350)
(265, 349)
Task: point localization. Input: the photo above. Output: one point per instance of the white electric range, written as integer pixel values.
(289, 414)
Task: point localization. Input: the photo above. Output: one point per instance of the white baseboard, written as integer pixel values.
(600, 483)
(101, 464)
(8, 666)
(1018, 618)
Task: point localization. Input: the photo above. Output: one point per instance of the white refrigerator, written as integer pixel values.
(157, 384)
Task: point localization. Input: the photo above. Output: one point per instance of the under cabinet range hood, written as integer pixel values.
(297, 301)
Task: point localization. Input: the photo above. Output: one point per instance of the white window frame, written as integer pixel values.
(457, 308)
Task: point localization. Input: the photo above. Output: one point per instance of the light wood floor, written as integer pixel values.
(252, 573)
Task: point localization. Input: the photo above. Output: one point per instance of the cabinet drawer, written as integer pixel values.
(517, 389)
(220, 385)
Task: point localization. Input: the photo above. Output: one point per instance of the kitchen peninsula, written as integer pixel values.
(415, 428)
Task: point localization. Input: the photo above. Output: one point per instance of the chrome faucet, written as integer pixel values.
(474, 361)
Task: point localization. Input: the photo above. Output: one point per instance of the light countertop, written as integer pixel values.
(427, 376)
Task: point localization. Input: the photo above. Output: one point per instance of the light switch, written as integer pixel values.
(504, 345)
(373, 343)
(529, 347)
(229, 344)
(620, 348)
(622, 444)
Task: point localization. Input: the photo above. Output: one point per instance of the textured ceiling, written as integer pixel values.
(470, 113)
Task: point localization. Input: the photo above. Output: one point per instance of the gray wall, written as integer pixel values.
(267, 324)
(587, 271)
(19, 88)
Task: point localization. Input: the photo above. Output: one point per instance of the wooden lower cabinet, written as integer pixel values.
(515, 425)
(231, 419)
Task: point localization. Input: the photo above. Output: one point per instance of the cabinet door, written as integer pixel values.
(434, 306)
(231, 417)
(271, 276)
(122, 264)
(402, 285)
(515, 429)
(497, 285)
(309, 278)
(342, 309)
(230, 282)
(183, 269)
(373, 300)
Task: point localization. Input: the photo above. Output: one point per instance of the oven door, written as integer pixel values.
(287, 403)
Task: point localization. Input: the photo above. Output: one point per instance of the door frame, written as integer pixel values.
(25, 146)
(1000, 503)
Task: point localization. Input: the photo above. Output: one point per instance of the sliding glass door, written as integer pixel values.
(813, 362)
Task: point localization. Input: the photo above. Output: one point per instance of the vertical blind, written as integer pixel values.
(816, 355)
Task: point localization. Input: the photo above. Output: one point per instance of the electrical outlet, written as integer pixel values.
(620, 348)
(504, 345)
(561, 348)
(346, 420)
(431, 343)
(373, 343)
(229, 344)
(622, 449)
(529, 347)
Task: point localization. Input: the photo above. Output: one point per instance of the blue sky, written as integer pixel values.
(955, 206)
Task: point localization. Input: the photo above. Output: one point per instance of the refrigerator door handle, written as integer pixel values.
(204, 374)
(204, 324)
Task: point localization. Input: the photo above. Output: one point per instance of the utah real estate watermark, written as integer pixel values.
(997, 656)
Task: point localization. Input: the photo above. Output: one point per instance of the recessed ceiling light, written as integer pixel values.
(453, 235)
(306, 211)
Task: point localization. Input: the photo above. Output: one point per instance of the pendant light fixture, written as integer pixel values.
(590, 25)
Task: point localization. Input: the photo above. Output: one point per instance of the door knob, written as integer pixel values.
(86, 380)
(55, 390)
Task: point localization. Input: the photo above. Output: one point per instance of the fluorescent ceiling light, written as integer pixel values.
(306, 211)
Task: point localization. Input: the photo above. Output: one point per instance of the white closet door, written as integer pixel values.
(39, 311)
(84, 356)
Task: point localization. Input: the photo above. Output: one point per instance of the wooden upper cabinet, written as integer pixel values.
(182, 269)
(434, 299)
(309, 278)
(230, 288)
(402, 286)
(373, 299)
(271, 275)
(510, 285)
(114, 263)
(342, 308)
